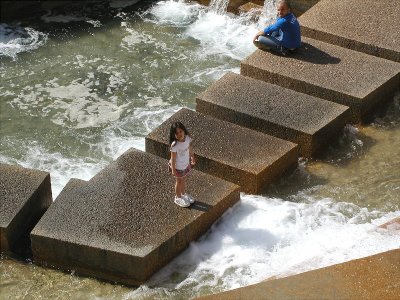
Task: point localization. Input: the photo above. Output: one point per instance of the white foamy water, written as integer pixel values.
(218, 6)
(265, 237)
(218, 33)
(16, 39)
(60, 167)
(118, 138)
(114, 141)
(175, 13)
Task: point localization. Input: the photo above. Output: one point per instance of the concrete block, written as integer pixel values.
(258, 2)
(246, 157)
(25, 195)
(233, 5)
(360, 81)
(250, 6)
(367, 26)
(298, 6)
(122, 225)
(305, 120)
(301, 6)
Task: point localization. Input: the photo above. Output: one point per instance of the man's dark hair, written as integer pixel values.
(286, 2)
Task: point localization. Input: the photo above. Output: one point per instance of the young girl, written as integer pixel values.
(182, 157)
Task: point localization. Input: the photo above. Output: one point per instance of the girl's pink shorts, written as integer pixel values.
(182, 173)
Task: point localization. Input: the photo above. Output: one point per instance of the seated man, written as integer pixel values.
(283, 36)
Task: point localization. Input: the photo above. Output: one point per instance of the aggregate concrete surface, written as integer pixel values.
(368, 26)
(122, 225)
(274, 110)
(24, 196)
(246, 157)
(330, 72)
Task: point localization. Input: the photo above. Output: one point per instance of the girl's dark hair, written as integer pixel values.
(173, 129)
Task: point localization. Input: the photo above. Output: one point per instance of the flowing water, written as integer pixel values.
(80, 88)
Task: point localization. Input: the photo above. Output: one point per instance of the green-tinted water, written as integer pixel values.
(89, 90)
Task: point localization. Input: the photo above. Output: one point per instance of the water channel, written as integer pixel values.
(78, 88)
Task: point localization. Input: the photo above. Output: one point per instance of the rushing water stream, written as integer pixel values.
(79, 88)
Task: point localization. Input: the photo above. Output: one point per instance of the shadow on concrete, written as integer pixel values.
(201, 206)
(22, 250)
(386, 111)
(311, 54)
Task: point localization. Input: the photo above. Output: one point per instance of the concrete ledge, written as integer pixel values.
(301, 6)
(298, 6)
(25, 196)
(248, 158)
(233, 5)
(372, 277)
(374, 30)
(122, 225)
(302, 119)
(360, 81)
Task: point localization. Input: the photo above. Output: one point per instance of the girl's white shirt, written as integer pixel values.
(182, 153)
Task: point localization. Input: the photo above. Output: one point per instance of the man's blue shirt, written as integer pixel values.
(287, 30)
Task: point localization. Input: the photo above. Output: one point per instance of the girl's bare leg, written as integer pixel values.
(183, 186)
(178, 187)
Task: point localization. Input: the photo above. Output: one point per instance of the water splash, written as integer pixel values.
(265, 237)
(15, 39)
(219, 33)
(218, 6)
(60, 166)
(269, 13)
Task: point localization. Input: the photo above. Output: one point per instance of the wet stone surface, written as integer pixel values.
(25, 195)
(374, 30)
(360, 81)
(307, 121)
(122, 225)
(240, 155)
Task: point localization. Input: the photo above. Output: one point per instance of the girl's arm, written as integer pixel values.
(173, 163)
(191, 153)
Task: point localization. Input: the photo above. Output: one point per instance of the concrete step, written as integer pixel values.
(302, 119)
(367, 26)
(371, 277)
(25, 196)
(246, 157)
(360, 81)
(122, 225)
